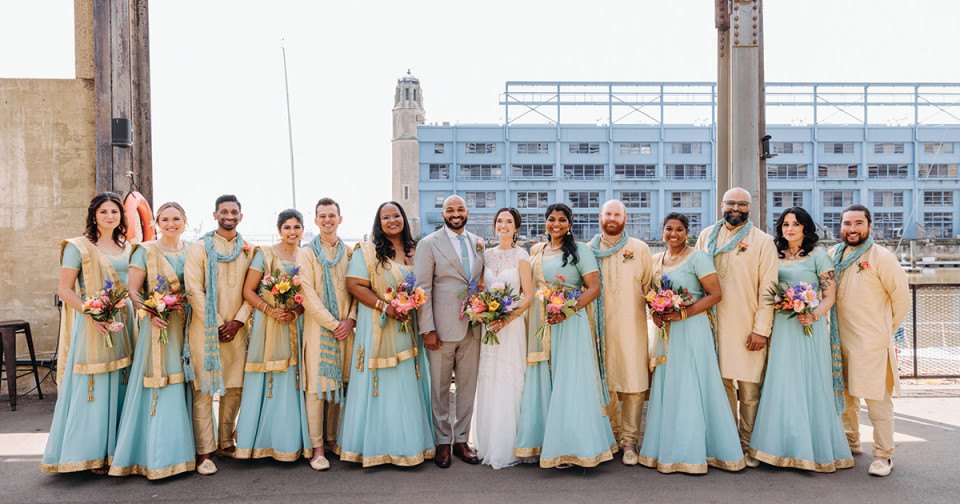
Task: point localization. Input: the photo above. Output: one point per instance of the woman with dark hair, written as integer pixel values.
(93, 360)
(272, 421)
(689, 423)
(500, 376)
(799, 422)
(562, 411)
(387, 418)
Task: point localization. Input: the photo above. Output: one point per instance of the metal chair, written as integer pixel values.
(8, 346)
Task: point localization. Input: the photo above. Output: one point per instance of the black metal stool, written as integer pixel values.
(8, 346)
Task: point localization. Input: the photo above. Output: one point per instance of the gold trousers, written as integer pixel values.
(203, 420)
(880, 413)
(625, 410)
(323, 419)
(749, 396)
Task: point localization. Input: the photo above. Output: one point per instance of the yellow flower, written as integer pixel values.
(283, 286)
(493, 305)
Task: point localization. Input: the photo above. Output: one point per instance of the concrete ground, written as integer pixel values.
(927, 470)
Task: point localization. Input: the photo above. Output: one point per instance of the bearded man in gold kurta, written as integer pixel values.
(746, 261)
(872, 301)
(626, 265)
(214, 272)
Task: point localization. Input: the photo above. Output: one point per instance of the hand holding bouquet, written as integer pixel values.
(406, 298)
(793, 300)
(669, 298)
(284, 286)
(484, 307)
(558, 299)
(103, 307)
(162, 302)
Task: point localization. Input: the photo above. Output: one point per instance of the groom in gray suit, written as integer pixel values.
(446, 261)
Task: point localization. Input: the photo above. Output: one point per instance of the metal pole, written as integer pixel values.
(286, 88)
(916, 371)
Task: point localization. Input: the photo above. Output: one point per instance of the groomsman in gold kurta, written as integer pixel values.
(217, 339)
(746, 261)
(626, 267)
(328, 329)
(872, 301)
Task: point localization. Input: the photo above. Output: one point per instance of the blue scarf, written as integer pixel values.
(727, 247)
(212, 378)
(839, 265)
(330, 357)
(601, 336)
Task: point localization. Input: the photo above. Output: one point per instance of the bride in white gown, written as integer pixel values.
(500, 379)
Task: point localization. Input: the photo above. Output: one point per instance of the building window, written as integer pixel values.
(438, 200)
(838, 148)
(938, 148)
(480, 172)
(438, 148)
(787, 147)
(888, 198)
(634, 172)
(938, 224)
(481, 225)
(533, 148)
(583, 199)
(531, 171)
(532, 225)
(584, 148)
(888, 224)
(480, 199)
(888, 148)
(635, 148)
(938, 170)
(439, 172)
(938, 198)
(696, 224)
(406, 192)
(635, 199)
(533, 199)
(686, 148)
(831, 223)
(787, 199)
(639, 226)
(686, 199)
(585, 226)
(686, 172)
(480, 148)
(837, 171)
(786, 171)
(888, 171)
(583, 172)
(838, 199)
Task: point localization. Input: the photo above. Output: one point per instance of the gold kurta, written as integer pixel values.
(625, 282)
(745, 277)
(230, 306)
(871, 305)
(316, 315)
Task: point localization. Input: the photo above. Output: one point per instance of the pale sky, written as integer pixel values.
(219, 117)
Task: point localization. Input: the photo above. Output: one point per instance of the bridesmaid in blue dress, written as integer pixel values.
(689, 423)
(273, 415)
(156, 429)
(387, 418)
(798, 422)
(563, 407)
(92, 376)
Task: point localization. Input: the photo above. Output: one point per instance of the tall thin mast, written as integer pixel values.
(286, 87)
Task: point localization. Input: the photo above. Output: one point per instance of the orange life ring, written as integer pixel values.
(139, 218)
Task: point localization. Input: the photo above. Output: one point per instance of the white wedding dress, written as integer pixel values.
(500, 379)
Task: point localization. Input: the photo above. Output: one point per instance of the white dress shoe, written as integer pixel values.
(629, 458)
(320, 464)
(881, 467)
(206, 468)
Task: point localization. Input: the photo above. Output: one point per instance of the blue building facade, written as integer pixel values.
(664, 159)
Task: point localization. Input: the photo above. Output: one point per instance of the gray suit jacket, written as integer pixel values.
(440, 274)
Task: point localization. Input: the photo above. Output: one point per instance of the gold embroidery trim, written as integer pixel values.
(397, 460)
(691, 468)
(162, 381)
(527, 452)
(386, 362)
(807, 465)
(257, 453)
(580, 461)
(153, 474)
(106, 367)
(83, 465)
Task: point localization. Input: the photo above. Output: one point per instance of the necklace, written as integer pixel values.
(672, 257)
(788, 254)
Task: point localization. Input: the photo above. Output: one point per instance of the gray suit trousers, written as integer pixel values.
(463, 358)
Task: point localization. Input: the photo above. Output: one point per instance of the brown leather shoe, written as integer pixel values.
(442, 457)
(465, 453)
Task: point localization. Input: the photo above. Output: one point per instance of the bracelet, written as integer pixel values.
(683, 313)
(260, 306)
(380, 305)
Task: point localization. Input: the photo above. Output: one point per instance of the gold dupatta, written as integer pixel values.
(280, 349)
(156, 375)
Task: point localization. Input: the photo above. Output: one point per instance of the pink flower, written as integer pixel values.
(298, 299)
(115, 326)
(798, 306)
(170, 299)
(96, 304)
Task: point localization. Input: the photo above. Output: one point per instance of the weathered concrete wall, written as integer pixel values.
(47, 177)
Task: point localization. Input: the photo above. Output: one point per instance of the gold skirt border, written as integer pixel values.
(579, 461)
(376, 460)
(691, 468)
(807, 465)
(527, 452)
(153, 474)
(258, 453)
(83, 465)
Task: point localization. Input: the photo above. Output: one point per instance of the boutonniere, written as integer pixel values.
(480, 245)
(246, 248)
(741, 247)
(627, 255)
(862, 265)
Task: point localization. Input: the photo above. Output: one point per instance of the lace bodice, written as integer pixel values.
(503, 266)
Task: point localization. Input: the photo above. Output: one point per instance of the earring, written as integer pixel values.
(569, 233)
(515, 237)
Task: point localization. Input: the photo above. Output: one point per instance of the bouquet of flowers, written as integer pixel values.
(669, 297)
(406, 298)
(792, 300)
(484, 307)
(557, 298)
(104, 305)
(162, 302)
(284, 285)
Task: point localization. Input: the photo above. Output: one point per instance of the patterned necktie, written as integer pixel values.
(464, 255)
